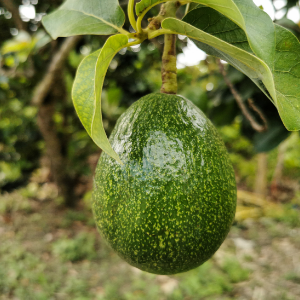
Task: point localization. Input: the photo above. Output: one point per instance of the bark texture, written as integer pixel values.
(49, 91)
(169, 69)
(261, 175)
(277, 177)
(54, 146)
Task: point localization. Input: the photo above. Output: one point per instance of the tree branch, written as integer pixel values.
(259, 112)
(15, 14)
(169, 69)
(257, 127)
(57, 62)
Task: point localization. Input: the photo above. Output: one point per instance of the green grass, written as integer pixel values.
(205, 281)
(293, 276)
(78, 248)
(49, 253)
(14, 202)
(235, 271)
(73, 216)
(75, 263)
(290, 216)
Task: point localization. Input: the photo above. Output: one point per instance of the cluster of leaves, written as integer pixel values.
(235, 31)
(19, 146)
(247, 38)
(24, 59)
(136, 75)
(20, 69)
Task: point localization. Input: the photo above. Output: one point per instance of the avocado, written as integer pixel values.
(171, 205)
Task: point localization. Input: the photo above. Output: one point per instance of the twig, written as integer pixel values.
(168, 68)
(187, 8)
(259, 112)
(10, 6)
(257, 127)
(59, 58)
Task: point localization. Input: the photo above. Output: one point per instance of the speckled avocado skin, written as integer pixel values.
(170, 206)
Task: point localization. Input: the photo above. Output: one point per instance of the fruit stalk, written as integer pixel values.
(169, 69)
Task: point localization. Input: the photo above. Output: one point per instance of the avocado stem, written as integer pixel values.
(169, 68)
(131, 14)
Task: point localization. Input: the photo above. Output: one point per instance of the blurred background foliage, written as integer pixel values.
(25, 55)
(70, 262)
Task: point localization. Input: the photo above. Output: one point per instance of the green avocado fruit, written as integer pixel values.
(171, 205)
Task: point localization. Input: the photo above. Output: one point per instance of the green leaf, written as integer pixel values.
(244, 61)
(145, 5)
(76, 17)
(259, 29)
(22, 42)
(83, 92)
(281, 78)
(257, 25)
(88, 87)
(287, 77)
(216, 24)
(227, 7)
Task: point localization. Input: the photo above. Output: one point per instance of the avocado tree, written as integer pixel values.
(27, 125)
(165, 194)
(40, 133)
(239, 33)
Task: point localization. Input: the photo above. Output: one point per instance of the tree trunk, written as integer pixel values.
(50, 90)
(261, 175)
(279, 168)
(54, 146)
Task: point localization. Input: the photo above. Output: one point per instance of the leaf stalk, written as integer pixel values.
(169, 68)
(156, 33)
(169, 59)
(137, 42)
(187, 8)
(131, 14)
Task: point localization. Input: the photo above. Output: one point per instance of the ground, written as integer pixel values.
(49, 252)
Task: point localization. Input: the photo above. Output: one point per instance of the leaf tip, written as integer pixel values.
(120, 162)
(116, 157)
(45, 24)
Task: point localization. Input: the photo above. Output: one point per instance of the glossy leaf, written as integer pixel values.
(287, 77)
(76, 17)
(285, 70)
(88, 87)
(218, 25)
(83, 92)
(144, 5)
(257, 25)
(227, 7)
(259, 29)
(243, 60)
(283, 74)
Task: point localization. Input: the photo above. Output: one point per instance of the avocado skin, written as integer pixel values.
(171, 205)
